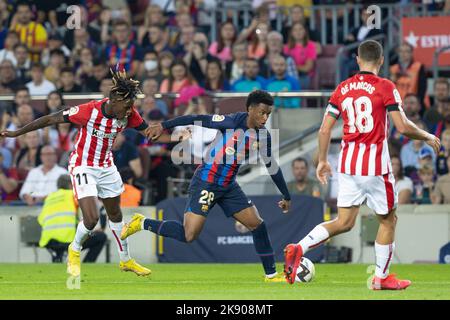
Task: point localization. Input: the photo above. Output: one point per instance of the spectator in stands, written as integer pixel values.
(61, 137)
(122, 50)
(250, 80)
(29, 156)
(403, 184)
(8, 80)
(303, 184)
(55, 42)
(156, 39)
(68, 84)
(58, 220)
(9, 180)
(160, 168)
(303, 51)
(21, 96)
(234, 69)
(181, 48)
(54, 102)
(166, 59)
(423, 191)
(215, 78)
(412, 107)
(126, 154)
(105, 86)
(275, 48)
(414, 150)
(13, 122)
(178, 79)
(297, 15)
(31, 33)
(348, 64)
(41, 180)
(131, 197)
(444, 153)
(153, 17)
(12, 38)
(441, 106)
(100, 71)
(442, 188)
(149, 89)
(82, 40)
(281, 82)
(256, 35)
(57, 61)
(408, 75)
(226, 38)
(23, 63)
(38, 84)
(150, 68)
(197, 56)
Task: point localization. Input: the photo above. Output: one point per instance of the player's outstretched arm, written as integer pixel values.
(409, 129)
(39, 123)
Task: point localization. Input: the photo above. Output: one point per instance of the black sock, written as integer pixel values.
(166, 228)
(264, 249)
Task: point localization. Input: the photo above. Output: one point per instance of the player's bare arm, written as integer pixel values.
(409, 129)
(39, 123)
(323, 167)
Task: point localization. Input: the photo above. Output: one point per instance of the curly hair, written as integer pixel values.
(124, 88)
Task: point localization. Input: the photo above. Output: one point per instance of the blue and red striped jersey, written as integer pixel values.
(234, 145)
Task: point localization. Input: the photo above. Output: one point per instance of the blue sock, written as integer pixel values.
(166, 228)
(264, 249)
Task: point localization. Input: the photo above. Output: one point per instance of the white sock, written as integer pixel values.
(383, 254)
(80, 236)
(317, 235)
(122, 245)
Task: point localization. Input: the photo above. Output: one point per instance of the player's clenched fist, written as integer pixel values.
(284, 205)
(323, 171)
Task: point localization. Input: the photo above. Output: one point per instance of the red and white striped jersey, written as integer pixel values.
(363, 101)
(97, 133)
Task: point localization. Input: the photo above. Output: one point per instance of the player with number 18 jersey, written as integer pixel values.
(363, 101)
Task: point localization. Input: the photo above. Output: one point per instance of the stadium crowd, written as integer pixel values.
(167, 46)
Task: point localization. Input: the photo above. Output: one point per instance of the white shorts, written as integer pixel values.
(96, 182)
(379, 192)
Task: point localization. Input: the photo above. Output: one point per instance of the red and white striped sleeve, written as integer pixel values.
(80, 114)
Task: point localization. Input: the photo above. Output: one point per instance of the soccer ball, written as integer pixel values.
(305, 271)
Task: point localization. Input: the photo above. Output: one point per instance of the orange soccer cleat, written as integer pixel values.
(389, 283)
(292, 255)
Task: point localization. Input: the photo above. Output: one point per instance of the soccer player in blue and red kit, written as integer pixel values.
(214, 181)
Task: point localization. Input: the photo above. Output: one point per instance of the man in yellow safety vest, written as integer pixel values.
(58, 219)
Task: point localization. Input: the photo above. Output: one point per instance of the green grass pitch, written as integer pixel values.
(214, 281)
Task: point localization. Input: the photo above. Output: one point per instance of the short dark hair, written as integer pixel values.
(64, 182)
(21, 88)
(259, 96)
(20, 45)
(37, 65)
(57, 51)
(370, 51)
(68, 70)
(300, 159)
